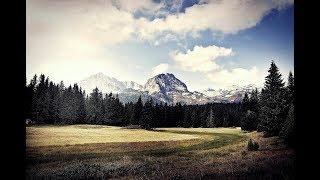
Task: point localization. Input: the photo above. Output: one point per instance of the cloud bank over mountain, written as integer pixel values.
(79, 33)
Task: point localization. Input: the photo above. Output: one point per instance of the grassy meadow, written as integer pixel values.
(107, 152)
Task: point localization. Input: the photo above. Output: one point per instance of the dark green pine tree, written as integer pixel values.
(95, 107)
(288, 131)
(254, 101)
(288, 96)
(41, 100)
(272, 103)
(118, 111)
(204, 115)
(193, 117)
(87, 106)
(196, 119)
(137, 112)
(290, 83)
(108, 105)
(250, 119)
(81, 108)
(290, 90)
(61, 89)
(245, 103)
(168, 116)
(30, 95)
(54, 102)
(210, 119)
(128, 114)
(147, 115)
(67, 110)
(131, 113)
(165, 113)
(156, 115)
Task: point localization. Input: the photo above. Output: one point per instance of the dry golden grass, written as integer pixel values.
(92, 134)
(105, 152)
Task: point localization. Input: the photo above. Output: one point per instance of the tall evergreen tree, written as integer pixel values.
(196, 120)
(67, 110)
(288, 131)
(250, 119)
(147, 115)
(41, 100)
(290, 93)
(290, 83)
(61, 89)
(254, 101)
(114, 109)
(137, 111)
(128, 114)
(193, 118)
(204, 115)
(187, 117)
(81, 108)
(30, 96)
(210, 119)
(272, 103)
(165, 111)
(108, 105)
(245, 102)
(95, 107)
(119, 110)
(53, 103)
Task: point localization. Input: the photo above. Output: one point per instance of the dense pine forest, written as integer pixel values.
(271, 110)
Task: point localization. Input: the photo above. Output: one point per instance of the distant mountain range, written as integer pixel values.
(164, 88)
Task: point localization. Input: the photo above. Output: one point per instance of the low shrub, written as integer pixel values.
(252, 145)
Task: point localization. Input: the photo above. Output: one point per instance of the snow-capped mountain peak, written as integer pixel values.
(162, 88)
(165, 83)
(132, 85)
(106, 84)
(232, 93)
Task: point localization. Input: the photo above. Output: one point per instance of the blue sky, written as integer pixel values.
(206, 44)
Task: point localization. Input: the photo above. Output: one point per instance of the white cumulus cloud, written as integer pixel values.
(100, 22)
(135, 5)
(203, 60)
(237, 76)
(225, 16)
(200, 59)
(79, 30)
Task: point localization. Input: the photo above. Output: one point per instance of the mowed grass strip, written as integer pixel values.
(210, 140)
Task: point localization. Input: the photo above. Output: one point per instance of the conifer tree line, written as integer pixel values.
(270, 111)
(50, 103)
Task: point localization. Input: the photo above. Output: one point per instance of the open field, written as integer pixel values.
(84, 134)
(86, 151)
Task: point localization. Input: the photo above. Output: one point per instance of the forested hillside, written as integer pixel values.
(270, 111)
